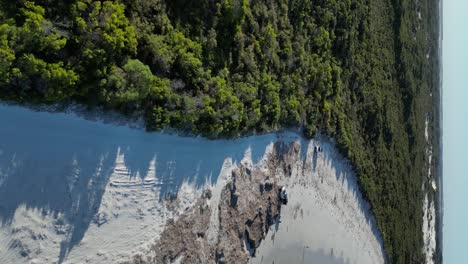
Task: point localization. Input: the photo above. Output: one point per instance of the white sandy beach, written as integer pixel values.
(77, 191)
(326, 219)
(429, 217)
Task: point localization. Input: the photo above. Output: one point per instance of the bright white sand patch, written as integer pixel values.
(429, 217)
(223, 179)
(326, 219)
(32, 232)
(76, 191)
(429, 229)
(130, 216)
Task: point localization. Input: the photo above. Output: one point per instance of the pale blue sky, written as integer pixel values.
(455, 132)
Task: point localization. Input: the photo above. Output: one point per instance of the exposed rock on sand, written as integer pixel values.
(248, 206)
(326, 214)
(75, 191)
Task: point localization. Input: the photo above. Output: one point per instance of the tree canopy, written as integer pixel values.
(355, 70)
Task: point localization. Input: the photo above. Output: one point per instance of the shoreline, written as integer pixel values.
(440, 198)
(116, 193)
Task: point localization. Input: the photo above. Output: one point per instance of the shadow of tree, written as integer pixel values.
(61, 164)
(344, 173)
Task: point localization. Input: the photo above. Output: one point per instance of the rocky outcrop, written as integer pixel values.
(249, 204)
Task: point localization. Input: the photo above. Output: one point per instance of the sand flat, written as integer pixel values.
(326, 219)
(77, 191)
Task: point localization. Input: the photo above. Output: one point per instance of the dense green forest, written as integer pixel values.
(360, 71)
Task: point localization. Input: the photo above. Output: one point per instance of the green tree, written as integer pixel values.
(270, 101)
(131, 85)
(53, 81)
(7, 54)
(37, 34)
(104, 35)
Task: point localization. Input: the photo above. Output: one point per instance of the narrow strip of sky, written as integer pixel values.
(455, 130)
